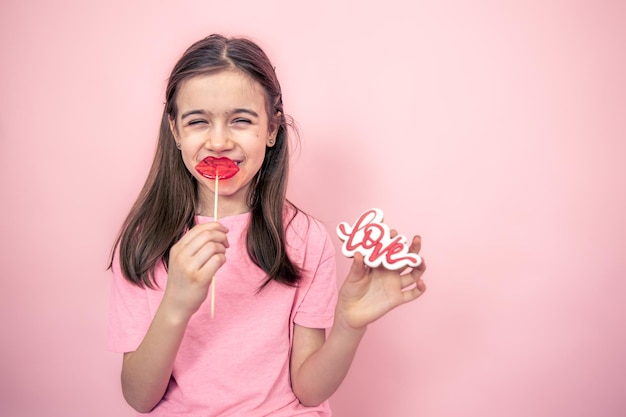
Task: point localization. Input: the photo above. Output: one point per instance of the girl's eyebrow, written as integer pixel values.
(243, 110)
(192, 112)
(228, 113)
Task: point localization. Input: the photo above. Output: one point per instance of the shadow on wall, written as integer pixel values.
(344, 182)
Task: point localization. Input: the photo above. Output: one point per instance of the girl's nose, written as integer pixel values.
(218, 140)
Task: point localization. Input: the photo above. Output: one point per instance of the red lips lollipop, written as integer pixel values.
(216, 168)
(222, 168)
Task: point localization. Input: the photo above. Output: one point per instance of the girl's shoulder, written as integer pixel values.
(304, 225)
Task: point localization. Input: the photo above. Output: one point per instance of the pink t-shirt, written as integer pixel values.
(237, 364)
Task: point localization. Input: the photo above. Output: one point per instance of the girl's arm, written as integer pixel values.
(146, 371)
(319, 364)
(194, 259)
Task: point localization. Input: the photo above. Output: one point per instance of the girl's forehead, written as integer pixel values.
(220, 88)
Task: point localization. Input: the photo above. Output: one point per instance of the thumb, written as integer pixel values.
(358, 270)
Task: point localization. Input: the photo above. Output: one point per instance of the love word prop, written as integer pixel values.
(372, 238)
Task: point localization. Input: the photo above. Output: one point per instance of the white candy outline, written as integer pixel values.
(377, 219)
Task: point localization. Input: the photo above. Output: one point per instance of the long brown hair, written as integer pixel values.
(165, 207)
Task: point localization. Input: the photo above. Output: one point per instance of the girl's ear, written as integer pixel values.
(173, 128)
(273, 129)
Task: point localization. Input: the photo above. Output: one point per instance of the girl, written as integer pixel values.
(266, 351)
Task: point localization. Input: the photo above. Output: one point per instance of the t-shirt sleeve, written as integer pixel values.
(129, 313)
(318, 292)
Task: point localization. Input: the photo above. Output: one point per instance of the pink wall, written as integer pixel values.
(498, 132)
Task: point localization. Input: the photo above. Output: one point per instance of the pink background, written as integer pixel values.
(494, 129)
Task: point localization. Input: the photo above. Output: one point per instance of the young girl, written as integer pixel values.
(265, 352)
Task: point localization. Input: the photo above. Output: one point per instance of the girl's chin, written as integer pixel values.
(226, 191)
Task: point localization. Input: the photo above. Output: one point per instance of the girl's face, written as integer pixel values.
(223, 114)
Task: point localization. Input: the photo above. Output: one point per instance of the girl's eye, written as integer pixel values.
(242, 120)
(197, 121)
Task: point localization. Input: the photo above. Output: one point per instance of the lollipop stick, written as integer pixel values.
(214, 219)
(215, 201)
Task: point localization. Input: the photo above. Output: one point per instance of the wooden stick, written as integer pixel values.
(214, 219)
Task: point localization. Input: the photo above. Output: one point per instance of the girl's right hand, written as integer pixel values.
(193, 262)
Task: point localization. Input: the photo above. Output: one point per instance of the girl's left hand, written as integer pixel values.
(369, 293)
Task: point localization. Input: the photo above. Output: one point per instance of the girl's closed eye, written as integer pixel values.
(196, 122)
(241, 120)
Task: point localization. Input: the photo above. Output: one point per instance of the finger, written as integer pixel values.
(358, 269)
(410, 281)
(419, 270)
(416, 244)
(204, 254)
(201, 238)
(212, 265)
(200, 230)
(417, 273)
(406, 280)
(196, 248)
(420, 285)
(413, 293)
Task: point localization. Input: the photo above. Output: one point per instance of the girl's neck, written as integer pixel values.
(226, 207)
